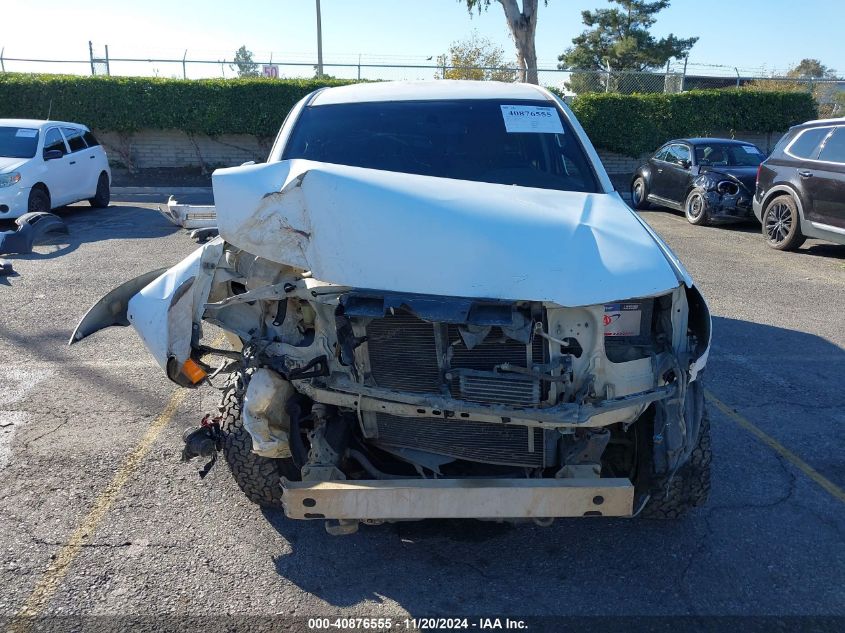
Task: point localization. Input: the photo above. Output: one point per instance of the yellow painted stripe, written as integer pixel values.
(52, 577)
(779, 448)
(55, 573)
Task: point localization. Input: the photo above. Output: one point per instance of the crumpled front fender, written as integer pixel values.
(162, 306)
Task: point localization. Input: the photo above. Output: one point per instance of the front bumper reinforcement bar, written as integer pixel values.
(457, 498)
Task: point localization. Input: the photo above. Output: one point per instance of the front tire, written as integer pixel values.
(258, 477)
(39, 200)
(102, 197)
(639, 194)
(690, 486)
(695, 209)
(782, 224)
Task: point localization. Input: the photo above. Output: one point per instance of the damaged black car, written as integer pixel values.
(710, 179)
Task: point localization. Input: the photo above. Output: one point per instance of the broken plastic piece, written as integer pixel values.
(32, 228)
(190, 216)
(193, 371)
(203, 235)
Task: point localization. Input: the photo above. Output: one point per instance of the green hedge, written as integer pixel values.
(629, 124)
(125, 104)
(634, 124)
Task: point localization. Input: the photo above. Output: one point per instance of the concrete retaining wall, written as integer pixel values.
(171, 148)
(148, 149)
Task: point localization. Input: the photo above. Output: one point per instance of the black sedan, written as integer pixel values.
(709, 179)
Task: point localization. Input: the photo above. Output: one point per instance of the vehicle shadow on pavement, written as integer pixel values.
(84, 224)
(718, 559)
(824, 249)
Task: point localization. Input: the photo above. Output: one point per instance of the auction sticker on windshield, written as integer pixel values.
(536, 119)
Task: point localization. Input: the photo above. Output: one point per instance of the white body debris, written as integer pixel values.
(189, 216)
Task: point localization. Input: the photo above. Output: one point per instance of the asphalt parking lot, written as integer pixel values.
(99, 517)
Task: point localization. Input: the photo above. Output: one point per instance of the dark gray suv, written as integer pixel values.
(800, 189)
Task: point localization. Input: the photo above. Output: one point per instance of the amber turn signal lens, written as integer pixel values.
(193, 371)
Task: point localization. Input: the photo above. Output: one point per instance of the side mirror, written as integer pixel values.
(53, 154)
(686, 164)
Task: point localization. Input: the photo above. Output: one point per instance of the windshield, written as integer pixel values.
(728, 155)
(513, 142)
(18, 142)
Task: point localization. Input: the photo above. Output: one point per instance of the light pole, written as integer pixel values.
(319, 43)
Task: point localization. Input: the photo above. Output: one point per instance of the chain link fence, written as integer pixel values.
(829, 93)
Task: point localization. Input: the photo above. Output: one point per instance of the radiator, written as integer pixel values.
(403, 356)
(504, 444)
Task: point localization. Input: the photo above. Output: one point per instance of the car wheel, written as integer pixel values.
(258, 477)
(695, 208)
(782, 224)
(39, 200)
(103, 196)
(689, 487)
(639, 194)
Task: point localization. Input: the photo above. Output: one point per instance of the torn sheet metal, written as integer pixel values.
(111, 309)
(368, 228)
(164, 311)
(32, 229)
(189, 216)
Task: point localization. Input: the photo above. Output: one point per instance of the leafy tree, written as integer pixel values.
(523, 25)
(244, 64)
(805, 78)
(476, 58)
(619, 39)
(811, 69)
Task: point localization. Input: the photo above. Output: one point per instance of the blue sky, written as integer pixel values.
(750, 34)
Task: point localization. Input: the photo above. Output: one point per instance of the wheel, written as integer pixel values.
(695, 208)
(39, 200)
(782, 224)
(689, 488)
(103, 196)
(258, 477)
(639, 194)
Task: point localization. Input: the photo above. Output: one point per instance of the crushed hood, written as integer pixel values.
(399, 232)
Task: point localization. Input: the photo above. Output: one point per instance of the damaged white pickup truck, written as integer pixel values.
(438, 307)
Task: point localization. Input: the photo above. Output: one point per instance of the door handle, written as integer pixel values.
(659, 171)
(73, 162)
(805, 174)
(92, 157)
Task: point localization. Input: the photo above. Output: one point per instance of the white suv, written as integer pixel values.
(47, 164)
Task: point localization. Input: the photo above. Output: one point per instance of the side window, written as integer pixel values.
(833, 149)
(678, 154)
(90, 139)
(53, 140)
(661, 153)
(74, 139)
(806, 145)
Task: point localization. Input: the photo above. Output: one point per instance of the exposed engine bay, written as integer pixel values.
(398, 403)
(355, 384)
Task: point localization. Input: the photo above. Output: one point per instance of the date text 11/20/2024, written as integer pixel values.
(416, 624)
